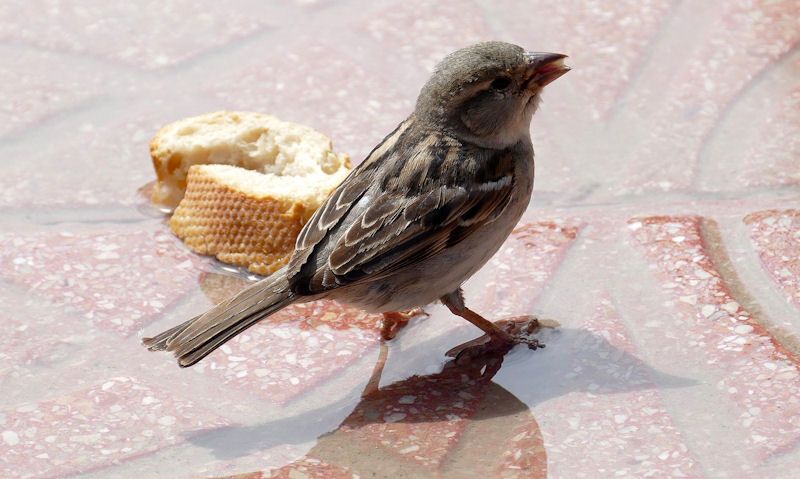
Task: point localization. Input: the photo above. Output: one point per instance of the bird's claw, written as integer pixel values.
(394, 321)
(513, 331)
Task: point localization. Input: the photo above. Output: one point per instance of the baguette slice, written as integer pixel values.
(250, 140)
(244, 217)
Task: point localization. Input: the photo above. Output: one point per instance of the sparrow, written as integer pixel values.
(427, 208)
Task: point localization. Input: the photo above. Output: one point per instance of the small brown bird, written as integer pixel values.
(425, 210)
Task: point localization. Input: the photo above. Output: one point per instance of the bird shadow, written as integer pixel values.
(575, 360)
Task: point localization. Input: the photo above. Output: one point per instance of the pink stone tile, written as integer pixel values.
(559, 175)
(98, 164)
(25, 341)
(294, 350)
(776, 236)
(93, 428)
(419, 419)
(772, 160)
(605, 41)
(147, 35)
(682, 109)
(320, 86)
(429, 424)
(30, 93)
(310, 3)
(282, 361)
(755, 371)
(524, 454)
(329, 314)
(353, 93)
(305, 468)
(247, 475)
(591, 433)
(436, 426)
(118, 281)
(520, 270)
(757, 141)
(419, 33)
(309, 468)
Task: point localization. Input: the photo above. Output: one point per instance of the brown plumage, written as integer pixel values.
(423, 212)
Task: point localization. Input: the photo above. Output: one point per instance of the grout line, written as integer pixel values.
(772, 306)
(699, 203)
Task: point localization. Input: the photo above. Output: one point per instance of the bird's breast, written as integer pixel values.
(443, 273)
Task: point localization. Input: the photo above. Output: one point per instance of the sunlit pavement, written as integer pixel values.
(664, 237)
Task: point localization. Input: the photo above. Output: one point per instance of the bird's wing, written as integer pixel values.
(425, 193)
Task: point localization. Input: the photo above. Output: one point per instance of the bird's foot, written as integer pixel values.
(394, 321)
(510, 332)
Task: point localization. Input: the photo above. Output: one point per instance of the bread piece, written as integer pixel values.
(246, 218)
(251, 140)
(245, 184)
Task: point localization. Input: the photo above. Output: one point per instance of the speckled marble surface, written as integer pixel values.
(664, 237)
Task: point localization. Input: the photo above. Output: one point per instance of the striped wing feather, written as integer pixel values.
(422, 193)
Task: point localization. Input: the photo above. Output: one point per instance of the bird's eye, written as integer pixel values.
(501, 83)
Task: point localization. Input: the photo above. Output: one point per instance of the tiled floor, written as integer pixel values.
(664, 237)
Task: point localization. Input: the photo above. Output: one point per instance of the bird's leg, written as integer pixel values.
(373, 385)
(500, 337)
(394, 321)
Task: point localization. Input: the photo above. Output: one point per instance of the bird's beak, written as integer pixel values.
(544, 68)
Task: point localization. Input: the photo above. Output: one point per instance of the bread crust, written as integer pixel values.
(239, 228)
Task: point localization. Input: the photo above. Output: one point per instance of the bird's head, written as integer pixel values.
(487, 93)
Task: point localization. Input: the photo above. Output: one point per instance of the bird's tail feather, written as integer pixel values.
(194, 339)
